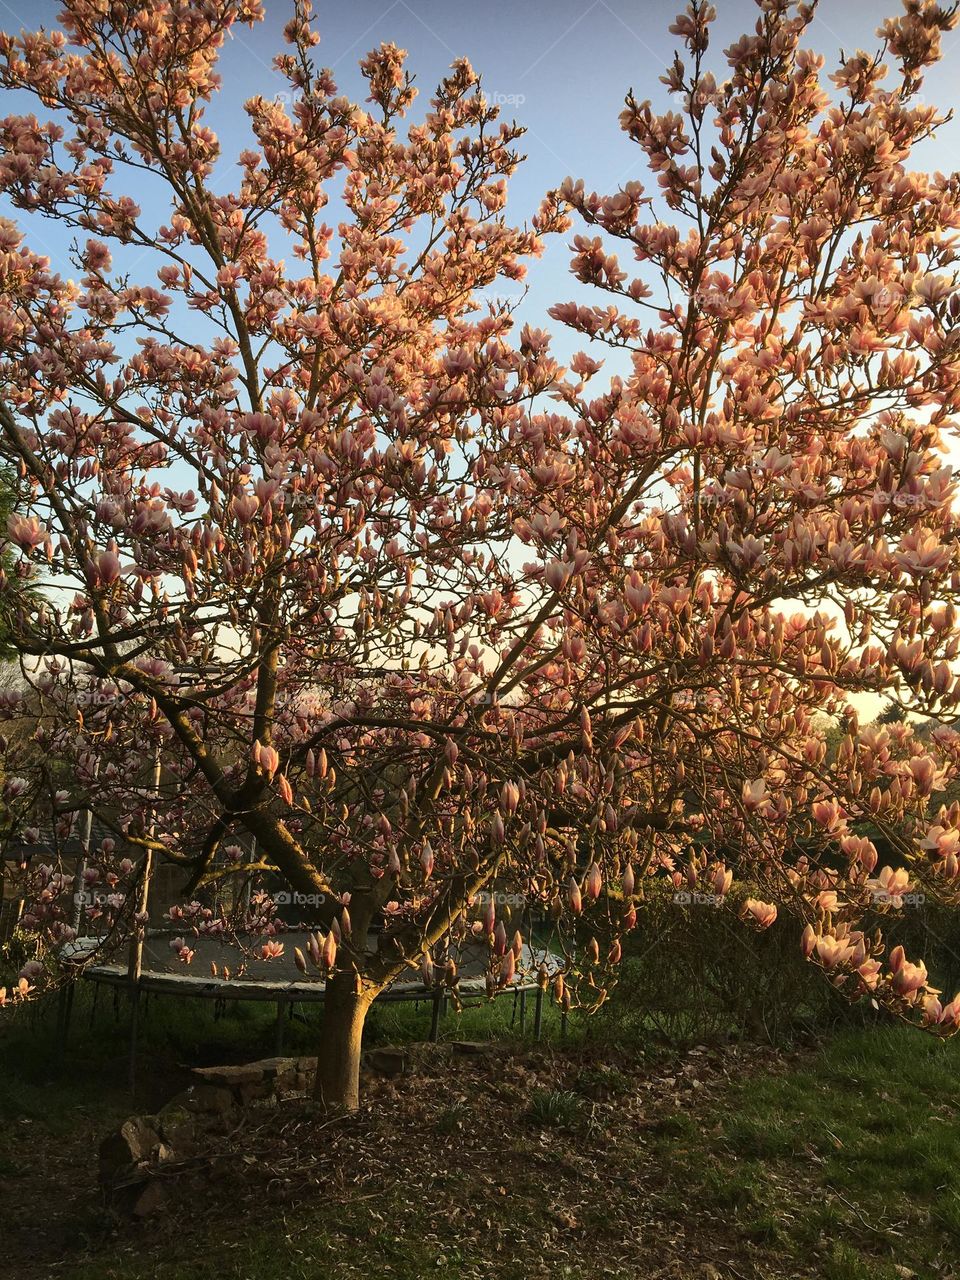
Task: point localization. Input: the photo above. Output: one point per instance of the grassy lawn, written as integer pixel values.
(848, 1163)
(837, 1163)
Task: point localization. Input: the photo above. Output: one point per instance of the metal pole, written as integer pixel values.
(538, 1014)
(135, 967)
(63, 1021)
(435, 1017)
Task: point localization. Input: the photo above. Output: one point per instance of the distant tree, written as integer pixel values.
(320, 539)
(893, 713)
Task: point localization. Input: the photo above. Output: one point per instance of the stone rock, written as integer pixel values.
(471, 1048)
(276, 1068)
(389, 1062)
(211, 1098)
(151, 1200)
(248, 1093)
(231, 1077)
(131, 1145)
(177, 1125)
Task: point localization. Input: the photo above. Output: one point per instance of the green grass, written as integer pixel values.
(555, 1108)
(867, 1134)
(298, 1246)
(844, 1164)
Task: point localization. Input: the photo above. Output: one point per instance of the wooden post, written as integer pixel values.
(78, 884)
(135, 966)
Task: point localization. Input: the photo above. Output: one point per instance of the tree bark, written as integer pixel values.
(338, 1060)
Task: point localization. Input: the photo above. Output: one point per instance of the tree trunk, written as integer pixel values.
(338, 1059)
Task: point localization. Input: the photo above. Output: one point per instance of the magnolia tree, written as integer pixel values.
(377, 582)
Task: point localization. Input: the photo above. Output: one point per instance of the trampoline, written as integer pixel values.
(279, 982)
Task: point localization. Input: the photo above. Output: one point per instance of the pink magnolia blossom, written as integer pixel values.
(279, 465)
(762, 914)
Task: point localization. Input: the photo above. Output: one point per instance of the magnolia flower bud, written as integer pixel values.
(576, 901)
(426, 860)
(299, 959)
(722, 880)
(490, 916)
(426, 970)
(593, 881)
(509, 797)
(108, 567)
(266, 757)
(628, 883)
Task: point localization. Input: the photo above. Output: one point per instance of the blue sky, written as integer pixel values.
(560, 67)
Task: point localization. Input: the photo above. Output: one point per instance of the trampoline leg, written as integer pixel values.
(134, 1035)
(538, 1015)
(278, 1043)
(523, 1011)
(93, 1004)
(435, 1018)
(563, 1025)
(64, 1008)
